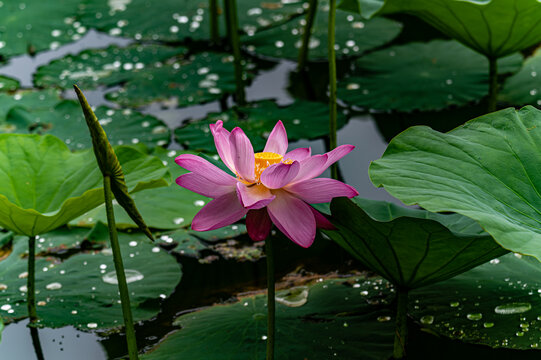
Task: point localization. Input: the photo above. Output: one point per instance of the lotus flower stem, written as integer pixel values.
(233, 33)
(303, 53)
(332, 84)
(270, 298)
(493, 84)
(213, 10)
(401, 331)
(31, 280)
(36, 343)
(119, 268)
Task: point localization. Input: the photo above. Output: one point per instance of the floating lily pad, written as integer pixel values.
(32, 26)
(424, 76)
(302, 119)
(175, 21)
(202, 78)
(486, 169)
(335, 321)
(354, 36)
(496, 304)
(43, 185)
(106, 67)
(35, 100)
(409, 247)
(493, 28)
(177, 206)
(524, 87)
(8, 84)
(82, 290)
(67, 122)
(191, 243)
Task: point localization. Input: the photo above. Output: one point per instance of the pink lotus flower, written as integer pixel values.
(270, 187)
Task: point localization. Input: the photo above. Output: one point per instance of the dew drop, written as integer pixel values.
(474, 317)
(384, 318)
(91, 325)
(131, 276)
(512, 308)
(54, 286)
(427, 320)
(488, 325)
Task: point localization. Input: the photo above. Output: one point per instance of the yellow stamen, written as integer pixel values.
(263, 160)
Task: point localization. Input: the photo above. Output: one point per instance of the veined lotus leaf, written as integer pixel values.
(103, 67)
(335, 321)
(495, 304)
(177, 206)
(424, 76)
(201, 78)
(486, 169)
(524, 87)
(43, 185)
(66, 121)
(354, 36)
(409, 247)
(302, 119)
(174, 21)
(367, 8)
(33, 26)
(35, 100)
(82, 290)
(493, 28)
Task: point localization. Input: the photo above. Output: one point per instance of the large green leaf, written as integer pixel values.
(524, 87)
(410, 248)
(334, 321)
(81, 290)
(35, 100)
(425, 76)
(487, 169)
(201, 78)
(177, 206)
(354, 35)
(43, 185)
(174, 21)
(66, 121)
(496, 304)
(98, 67)
(494, 28)
(35, 25)
(302, 120)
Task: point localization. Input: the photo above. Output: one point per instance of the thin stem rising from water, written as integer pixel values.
(332, 84)
(493, 84)
(303, 53)
(401, 332)
(235, 44)
(270, 299)
(31, 280)
(119, 268)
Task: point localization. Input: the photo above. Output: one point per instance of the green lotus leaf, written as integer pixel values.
(81, 291)
(491, 27)
(409, 247)
(191, 243)
(425, 76)
(174, 21)
(8, 84)
(43, 185)
(302, 120)
(335, 321)
(367, 8)
(495, 304)
(354, 36)
(177, 206)
(103, 67)
(524, 88)
(486, 169)
(35, 100)
(33, 26)
(66, 121)
(201, 78)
